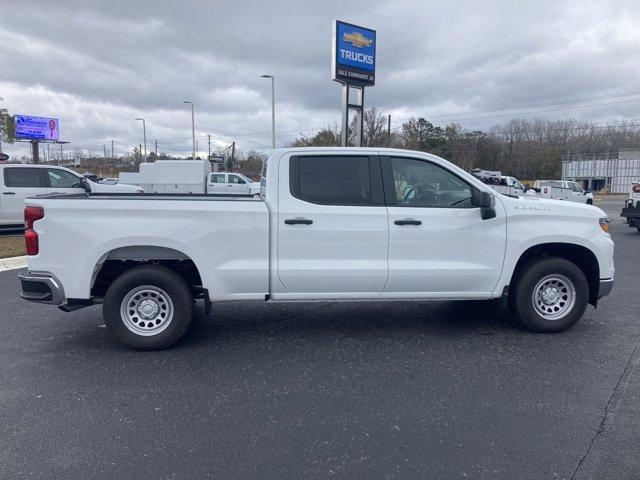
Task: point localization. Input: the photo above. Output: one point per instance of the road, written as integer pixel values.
(406, 390)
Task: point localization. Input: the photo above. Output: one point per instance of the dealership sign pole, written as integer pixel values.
(354, 66)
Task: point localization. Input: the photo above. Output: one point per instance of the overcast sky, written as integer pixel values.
(97, 67)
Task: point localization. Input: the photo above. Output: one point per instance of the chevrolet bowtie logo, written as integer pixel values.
(357, 39)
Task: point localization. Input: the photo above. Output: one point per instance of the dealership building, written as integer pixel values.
(611, 172)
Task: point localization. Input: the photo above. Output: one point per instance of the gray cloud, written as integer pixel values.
(99, 66)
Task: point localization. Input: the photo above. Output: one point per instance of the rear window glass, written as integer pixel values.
(332, 180)
(21, 177)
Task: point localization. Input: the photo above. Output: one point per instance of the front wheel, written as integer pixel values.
(148, 307)
(550, 294)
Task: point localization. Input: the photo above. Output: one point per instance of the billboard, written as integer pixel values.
(354, 54)
(36, 128)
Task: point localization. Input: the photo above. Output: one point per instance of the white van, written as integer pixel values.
(19, 181)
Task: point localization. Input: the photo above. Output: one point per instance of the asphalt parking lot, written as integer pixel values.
(327, 390)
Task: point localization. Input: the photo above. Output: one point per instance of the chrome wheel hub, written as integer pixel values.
(554, 297)
(146, 310)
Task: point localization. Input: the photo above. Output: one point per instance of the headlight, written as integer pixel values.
(604, 224)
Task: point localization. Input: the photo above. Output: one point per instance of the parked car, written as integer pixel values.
(562, 190)
(333, 224)
(109, 181)
(19, 181)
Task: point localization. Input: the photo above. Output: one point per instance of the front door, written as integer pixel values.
(58, 180)
(332, 226)
(238, 186)
(439, 245)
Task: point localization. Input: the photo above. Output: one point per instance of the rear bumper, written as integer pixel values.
(41, 288)
(605, 287)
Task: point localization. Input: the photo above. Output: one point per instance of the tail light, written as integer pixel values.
(636, 187)
(31, 214)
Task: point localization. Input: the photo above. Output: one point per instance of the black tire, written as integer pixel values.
(169, 283)
(521, 294)
(589, 202)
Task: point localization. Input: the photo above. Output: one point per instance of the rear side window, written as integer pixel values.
(217, 178)
(331, 180)
(22, 177)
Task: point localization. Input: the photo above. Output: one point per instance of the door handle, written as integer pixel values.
(8, 193)
(408, 221)
(298, 221)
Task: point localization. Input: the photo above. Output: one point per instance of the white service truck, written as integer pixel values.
(562, 190)
(188, 176)
(333, 224)
(19, 181)
(500, 183)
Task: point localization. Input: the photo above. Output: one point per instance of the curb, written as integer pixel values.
(12, 263)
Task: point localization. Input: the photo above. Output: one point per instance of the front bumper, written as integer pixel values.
(605, 287)
(41, 288)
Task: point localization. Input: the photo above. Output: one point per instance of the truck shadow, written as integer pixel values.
(228, 323)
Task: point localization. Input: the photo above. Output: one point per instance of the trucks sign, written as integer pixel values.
(36, 128)
(354, 54)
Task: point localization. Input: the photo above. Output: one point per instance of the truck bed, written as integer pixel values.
(226, 237)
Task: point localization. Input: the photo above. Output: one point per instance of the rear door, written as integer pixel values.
(439, 245)
(19, 183)
(217, 183)
(332, 226)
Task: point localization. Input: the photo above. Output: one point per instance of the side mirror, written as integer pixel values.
(85, 184)
(487, 203)
(485, 200)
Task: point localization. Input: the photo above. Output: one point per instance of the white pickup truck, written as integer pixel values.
(19, 181)
(562, 190)
(332, 224)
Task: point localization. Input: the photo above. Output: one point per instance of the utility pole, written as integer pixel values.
(193, 127)
(61, 157)
(233, 154)
(140, 149)
(209, 149)
(273, 109)
(112, 150)
(104, 149)
(389, 131)
(144, 137)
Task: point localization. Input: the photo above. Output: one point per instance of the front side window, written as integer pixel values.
(236, 179)
(21, 177)
(423, 184)
(331, 180)
(217, 178)
(62, 179)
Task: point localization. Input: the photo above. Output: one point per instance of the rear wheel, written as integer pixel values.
(550, 294)
(148, 307)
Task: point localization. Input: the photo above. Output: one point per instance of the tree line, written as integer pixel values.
(526, 149)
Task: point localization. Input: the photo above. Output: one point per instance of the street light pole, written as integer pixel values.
(144, 137)
(193, 127)
(273, 109)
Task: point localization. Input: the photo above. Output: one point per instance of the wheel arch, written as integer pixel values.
(116, 261)
(580, 255)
